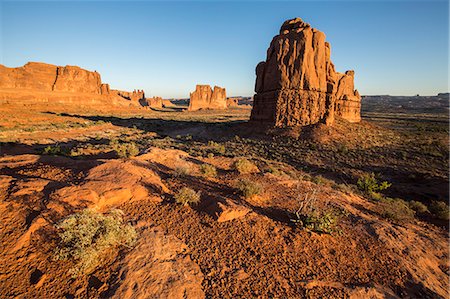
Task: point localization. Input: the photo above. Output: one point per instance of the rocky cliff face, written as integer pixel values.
(48, 77)
(298, 85)
(204, 97)
(137, 96)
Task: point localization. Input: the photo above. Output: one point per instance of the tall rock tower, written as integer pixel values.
(297, 85)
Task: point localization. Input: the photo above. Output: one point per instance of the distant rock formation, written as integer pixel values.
(137, 96)
(48, 77)
(232, 102)
(38, 83)
(205, 98)
(297, 84)
(154, 102)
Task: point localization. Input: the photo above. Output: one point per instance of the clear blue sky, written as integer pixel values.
(165, 48)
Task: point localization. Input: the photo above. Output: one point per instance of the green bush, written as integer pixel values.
(249, 188)
(87, 235)
(244, 166)
(208, 170)
(320, 222)
(418, 207)
(439, 209)
(187, 196)
(55, 150)
(369, 184)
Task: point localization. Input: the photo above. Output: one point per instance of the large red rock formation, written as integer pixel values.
(48, 77)
(137, 96)
(298, 85)
(205, 98)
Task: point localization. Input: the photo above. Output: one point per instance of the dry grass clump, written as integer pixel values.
(244, 166)
(187, 196)
(86, 236)
(208, 170)
(249, 188)
(418, 207)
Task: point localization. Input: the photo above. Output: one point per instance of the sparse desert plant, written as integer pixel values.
(395, 209)
(369, 184)
(87, 235)
(249, 188)
(125, 150)
(244, 166)
(418, 207)
(440, 209)
(55, 150)
(187, 196)
(182, 168)
(216, 148)
(310, 217)
(208, 170)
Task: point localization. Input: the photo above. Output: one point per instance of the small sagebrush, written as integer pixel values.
(187, 196)
(208, 170)
(418, 207)
(87, 235)
(440, 209)
(125, 150)
(249, 188)
(396, 210)
(244, 166)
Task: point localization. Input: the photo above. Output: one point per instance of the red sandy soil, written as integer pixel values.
(191, 252)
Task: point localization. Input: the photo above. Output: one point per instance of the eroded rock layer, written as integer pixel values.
(204, 97)
(297, 84)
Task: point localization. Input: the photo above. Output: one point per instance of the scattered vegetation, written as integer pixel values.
(124, 150)
(249, 188)
(370, 185)
(187, 196)
(54, 150)
(396, 210)
(440, 209)
(244, 166)
(418, 207)
(208, 170)
(216, 148)
(87, 235)
(310, 217)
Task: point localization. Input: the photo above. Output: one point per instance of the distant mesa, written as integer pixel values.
(44, 82)
(204, 97)
(297, 85)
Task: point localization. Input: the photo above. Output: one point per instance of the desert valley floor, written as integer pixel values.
(236, 242)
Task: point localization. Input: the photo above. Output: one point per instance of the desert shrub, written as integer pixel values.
(87, 235)
(275, 170)
(54, 150)
(395, 209)
(244, 166)
(125, 150)
(440, 210)
(248, 188)
(187, 196)
(182, 168)
(319, 220)
(369, 184)
(418, 207)
(208, 170)
(216, 148)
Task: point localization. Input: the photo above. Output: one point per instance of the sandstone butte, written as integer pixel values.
(297, 85)
(42, 82)
(204, 97)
